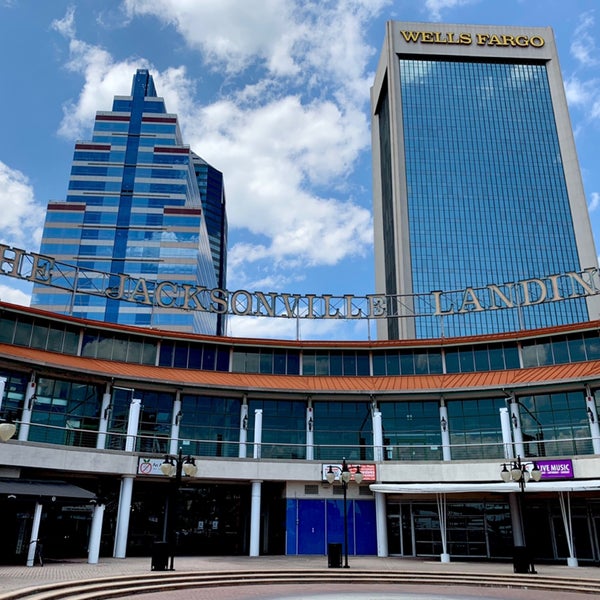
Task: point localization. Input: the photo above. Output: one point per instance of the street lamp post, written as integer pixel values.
(175, 467)
(345, 477)
(519, 472)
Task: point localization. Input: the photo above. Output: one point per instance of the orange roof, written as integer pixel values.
(40, 360)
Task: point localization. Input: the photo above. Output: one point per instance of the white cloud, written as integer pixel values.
(22, 217)
(304, 329)
(579, 93)
(13, 295)
(583, 47)
(435, 7)
(284, 37)
(594, 202)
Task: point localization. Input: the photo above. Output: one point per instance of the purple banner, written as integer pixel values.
(556, 469)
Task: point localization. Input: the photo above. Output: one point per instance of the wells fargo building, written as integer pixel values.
(476, 178)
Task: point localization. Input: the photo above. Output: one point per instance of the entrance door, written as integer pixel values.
(399, 530)
(311, 527)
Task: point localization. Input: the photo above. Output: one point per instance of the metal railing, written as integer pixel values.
(214, 448)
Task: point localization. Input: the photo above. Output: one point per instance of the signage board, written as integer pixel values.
(555, 469)
(150, 466)
(367, 470)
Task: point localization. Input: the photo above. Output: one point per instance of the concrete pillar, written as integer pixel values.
(515, 419)
(2, 386)
(257, 432)
(592, 413)
(35, 533)
(105, 409)
(381, 524)
(310, 434)
(507, 443)
(377, 436)
(445, 430)
(243, 429)
(255, 519)
(95, 534)
(133, 424)
(120, 547)
(27, 410)
(174, 442)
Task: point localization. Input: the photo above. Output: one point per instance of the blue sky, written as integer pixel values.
(274, 93)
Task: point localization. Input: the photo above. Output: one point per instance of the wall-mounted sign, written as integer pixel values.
(466, 39)
(150, 466)
(367, 470)
(556, 469)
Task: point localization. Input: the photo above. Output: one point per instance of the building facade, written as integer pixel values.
(431, 424)
(476, 179)
(137, 204)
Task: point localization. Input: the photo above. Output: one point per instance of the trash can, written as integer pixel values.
(521, 560)
(334, 556)
(160, 556)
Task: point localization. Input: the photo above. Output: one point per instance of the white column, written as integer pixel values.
(377, 436)
(255, 519)
(104, 417)
(565, 509)
(27, 410)
(2, 385)
(310, 434)
(243, 429)
(120, 547)
(257, 432)
(381, 524)
(35, 532)
(445, 429)
(442, 513)
(95, 534)
(509, 453)
(592, 413)
(174, 444)
(515, 419)
(133, 424)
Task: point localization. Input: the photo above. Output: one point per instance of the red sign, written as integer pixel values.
(368, 471)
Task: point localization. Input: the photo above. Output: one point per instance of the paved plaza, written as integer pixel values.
(18, 577)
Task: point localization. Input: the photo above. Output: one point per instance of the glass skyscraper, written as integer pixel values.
(139, 203)
(476, 181)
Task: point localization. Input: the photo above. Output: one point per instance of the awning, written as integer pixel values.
(37, 489)
(572, 485)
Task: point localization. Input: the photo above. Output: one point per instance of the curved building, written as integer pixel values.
(430, 424)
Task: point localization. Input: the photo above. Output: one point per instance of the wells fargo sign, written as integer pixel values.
(45, 270)
(467, 39)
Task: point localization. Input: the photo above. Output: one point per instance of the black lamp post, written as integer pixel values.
(345, 477)
(175, 467)
(519, 473)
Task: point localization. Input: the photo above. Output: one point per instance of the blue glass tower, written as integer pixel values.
(476, 179)
(212, 192)
(136, 205)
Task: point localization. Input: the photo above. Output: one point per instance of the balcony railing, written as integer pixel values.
(213, 448)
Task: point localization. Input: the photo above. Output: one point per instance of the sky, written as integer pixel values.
(273, 93)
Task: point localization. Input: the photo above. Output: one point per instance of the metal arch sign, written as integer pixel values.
(45, 270)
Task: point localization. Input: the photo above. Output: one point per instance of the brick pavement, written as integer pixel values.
(17, 577)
